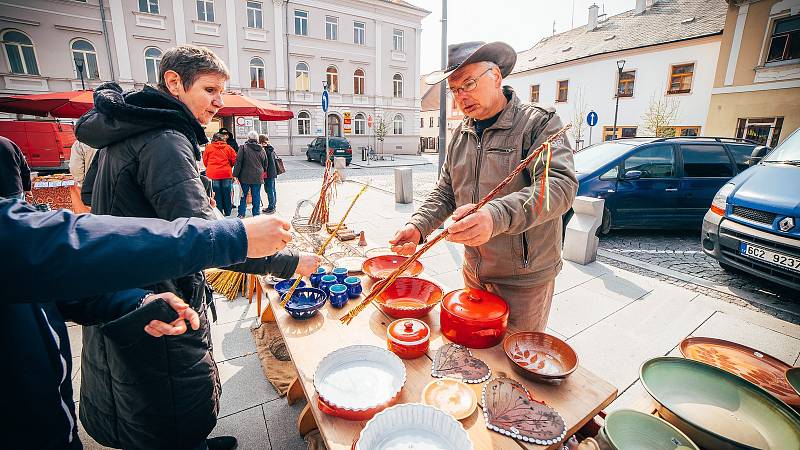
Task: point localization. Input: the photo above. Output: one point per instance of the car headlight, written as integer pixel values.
(720, 202)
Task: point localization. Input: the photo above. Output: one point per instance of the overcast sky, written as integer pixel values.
(520, 23)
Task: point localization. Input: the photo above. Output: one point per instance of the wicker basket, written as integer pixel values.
(300, 223)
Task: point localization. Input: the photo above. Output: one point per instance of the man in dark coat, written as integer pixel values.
(51, 259)
(15, 175)
(251, 165)
(271, 175)
(162, 395)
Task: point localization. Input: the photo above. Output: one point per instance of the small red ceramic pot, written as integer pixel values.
(408, 338)
(473, 318)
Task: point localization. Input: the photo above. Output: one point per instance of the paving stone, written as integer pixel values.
(634, 397)
(282, 424)
(578, 308)
(235, 310)
(75, 339)
(441, 263)
(573, 274)
(248, 427)
(243, 385)
(451, 280)
(233, 339)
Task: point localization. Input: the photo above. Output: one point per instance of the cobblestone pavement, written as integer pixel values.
(680, 251)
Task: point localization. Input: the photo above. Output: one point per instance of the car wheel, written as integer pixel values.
(347, 163)
(308, 157)
(605, 225)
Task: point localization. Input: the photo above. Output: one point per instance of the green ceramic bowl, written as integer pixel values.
(793, 377)
(718, 410)
(627, 429)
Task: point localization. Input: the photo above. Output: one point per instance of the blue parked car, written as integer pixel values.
(659, 182)
(754, 221)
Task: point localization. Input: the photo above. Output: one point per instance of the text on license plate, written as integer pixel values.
(763, 254)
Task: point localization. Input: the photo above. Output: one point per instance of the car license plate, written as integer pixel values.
(789, 262)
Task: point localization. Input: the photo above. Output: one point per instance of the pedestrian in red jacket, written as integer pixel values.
(219, 159)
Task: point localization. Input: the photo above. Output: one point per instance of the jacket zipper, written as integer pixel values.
(479, 149)
(524, 250)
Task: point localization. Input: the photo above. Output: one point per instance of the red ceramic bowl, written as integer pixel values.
(380, 267)
(352, 414)
(408, 297)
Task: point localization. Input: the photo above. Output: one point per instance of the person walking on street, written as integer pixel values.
(15, 175)
(219, 159)
(167, 394)
(251, 164)
(80, 158)
(270, 175)
(513, 244)
(229, 139)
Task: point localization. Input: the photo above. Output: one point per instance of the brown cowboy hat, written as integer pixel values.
(459, 55)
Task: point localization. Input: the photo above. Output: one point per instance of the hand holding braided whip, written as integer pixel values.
(321, 250)
(383, 284)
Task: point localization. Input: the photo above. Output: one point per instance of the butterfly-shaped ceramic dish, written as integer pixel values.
(509, 409)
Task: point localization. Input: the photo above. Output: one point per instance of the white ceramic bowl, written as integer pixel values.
(413, 425)
(359, 377)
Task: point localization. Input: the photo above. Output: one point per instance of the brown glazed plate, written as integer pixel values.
(745, 362)
(540, 356)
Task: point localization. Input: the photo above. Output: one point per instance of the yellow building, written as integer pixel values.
(756, 91)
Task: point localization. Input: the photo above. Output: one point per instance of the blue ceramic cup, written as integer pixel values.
(326, 282)
(354, 288)
(338, 295)
(314, 277)
(340, 273)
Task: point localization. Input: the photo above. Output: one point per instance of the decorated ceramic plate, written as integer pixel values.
(456, 361)
(351, 263)
(509, 409)
(451, 396)
(413, 426)
(359, 377)
(752, 365)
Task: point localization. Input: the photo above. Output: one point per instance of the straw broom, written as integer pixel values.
(226, 282)
(381, 286)
(322, 248)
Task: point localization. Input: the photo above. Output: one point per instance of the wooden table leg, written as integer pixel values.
(295, 392)
(258, 297)
(306, 422)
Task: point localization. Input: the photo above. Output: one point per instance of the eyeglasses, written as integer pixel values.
(469, 85)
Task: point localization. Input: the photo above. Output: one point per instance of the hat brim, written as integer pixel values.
(499, 53)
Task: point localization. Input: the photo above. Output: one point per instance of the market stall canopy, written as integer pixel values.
(242, 105)
(69, 104)
(73, 104)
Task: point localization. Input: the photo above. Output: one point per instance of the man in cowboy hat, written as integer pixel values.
(513, 244)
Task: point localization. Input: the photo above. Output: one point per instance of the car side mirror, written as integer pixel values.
(632, 175)
(758, 153)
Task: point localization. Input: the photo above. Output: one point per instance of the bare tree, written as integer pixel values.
(660, 115)
(381, 130)
(578, 119)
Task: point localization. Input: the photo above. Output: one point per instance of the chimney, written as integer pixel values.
(592, 25)
(640, 7)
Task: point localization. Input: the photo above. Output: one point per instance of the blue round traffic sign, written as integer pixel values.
(325, 101)
(591, 118)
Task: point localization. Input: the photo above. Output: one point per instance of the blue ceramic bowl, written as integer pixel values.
(314, 277)
(305, 302)
(340, 273)
(283, 286)
(354, 288)
(326, 282)
(338, 295)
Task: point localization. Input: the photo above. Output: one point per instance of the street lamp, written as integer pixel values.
(620, 65)
(79, 68)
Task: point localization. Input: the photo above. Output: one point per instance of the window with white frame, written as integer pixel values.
(360, 123)
(205, 10)
(784, 44)
(152, 59)
(358, 82)
(303, 123)
(398, 124)
(301, 78)
(359, 33)
(397, 40)
(331, 28)
(20, 52)
(85, 57)
(300, 22)
(397, 83)
(257, 77)
(255, 15)
(148, 6)
(332, 77)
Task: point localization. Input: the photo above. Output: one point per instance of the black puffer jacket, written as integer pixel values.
(163, 393)
(251, 163)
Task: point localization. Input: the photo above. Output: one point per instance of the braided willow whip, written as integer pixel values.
(383, 284)
(321, 250)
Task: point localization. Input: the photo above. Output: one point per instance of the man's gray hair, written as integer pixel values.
(489, 65)
(252, 135)
(190, 62)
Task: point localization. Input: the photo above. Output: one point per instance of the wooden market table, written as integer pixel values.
(578, 399)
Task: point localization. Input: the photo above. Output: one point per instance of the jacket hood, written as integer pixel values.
(118, 115)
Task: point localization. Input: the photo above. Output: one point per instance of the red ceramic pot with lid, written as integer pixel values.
(473, 318)
(408, 338)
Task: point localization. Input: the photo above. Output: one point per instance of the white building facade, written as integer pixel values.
(280, 51)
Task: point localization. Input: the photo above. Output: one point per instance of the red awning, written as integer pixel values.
(69, 104)
(242, 105)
